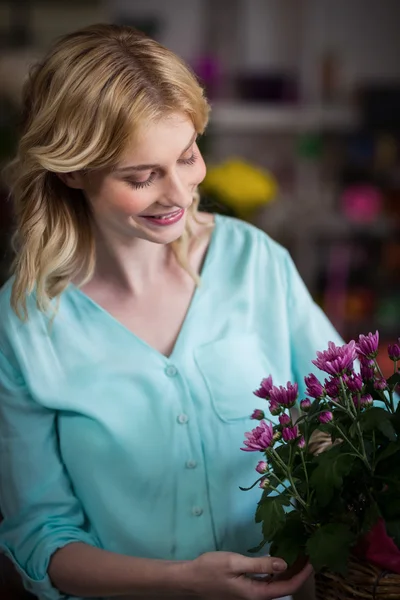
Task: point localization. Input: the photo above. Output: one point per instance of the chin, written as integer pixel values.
(165, 234)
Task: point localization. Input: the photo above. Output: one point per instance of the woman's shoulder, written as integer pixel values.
(12, 326)
(242, 236)
(5, 301)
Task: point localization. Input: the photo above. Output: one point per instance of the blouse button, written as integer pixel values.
(182, 419)
(197, 511)
(191, 464)
(171, 371)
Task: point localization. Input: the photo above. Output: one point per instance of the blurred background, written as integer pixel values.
(304, 135)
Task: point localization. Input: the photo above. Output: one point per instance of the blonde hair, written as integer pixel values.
(81, 105)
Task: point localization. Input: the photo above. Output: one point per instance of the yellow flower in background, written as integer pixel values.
(240, 185)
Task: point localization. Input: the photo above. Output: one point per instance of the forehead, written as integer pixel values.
(159, 141)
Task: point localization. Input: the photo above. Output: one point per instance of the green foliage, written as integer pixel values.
(328, 475)
(378, 419)
(336, 496)
(272, 515)
(329, 546)
(290, 541)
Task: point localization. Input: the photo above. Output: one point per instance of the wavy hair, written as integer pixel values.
(81, 105)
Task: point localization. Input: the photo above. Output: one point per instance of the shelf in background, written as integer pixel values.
(248, 117)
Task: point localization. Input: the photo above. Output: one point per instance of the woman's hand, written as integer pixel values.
(227, 575)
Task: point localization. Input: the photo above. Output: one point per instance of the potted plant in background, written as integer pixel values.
(331, 479)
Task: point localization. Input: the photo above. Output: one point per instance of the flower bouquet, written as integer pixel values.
(331, 477)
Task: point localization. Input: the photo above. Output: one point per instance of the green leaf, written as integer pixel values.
(329, 473)
(329, 546)
(272, 515)
(394, 379)
(378, 418)
(291, 539)
(393, 530)
(391, 449)
(396, 420)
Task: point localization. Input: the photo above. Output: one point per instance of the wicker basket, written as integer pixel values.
(363, 580)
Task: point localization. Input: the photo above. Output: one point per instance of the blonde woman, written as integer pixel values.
(132, 333)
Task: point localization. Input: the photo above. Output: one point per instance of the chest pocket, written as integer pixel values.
(233, 368)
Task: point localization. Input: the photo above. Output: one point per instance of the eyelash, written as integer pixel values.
(144, 184)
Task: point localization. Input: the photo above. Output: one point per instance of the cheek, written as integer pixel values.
(125, 200)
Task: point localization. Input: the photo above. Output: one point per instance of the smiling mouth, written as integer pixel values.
(165, 219)
(164, 216)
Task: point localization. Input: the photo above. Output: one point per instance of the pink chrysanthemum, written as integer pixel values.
(314, 387)
(337, 359)
(261, 438)
(285, 396)
(265, 388)
(368, 345)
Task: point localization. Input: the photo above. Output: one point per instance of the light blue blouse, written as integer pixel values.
(106, 441)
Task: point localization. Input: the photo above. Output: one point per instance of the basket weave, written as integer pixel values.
(363, 580)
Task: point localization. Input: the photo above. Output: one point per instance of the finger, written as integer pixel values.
(263, 565)
(290, 586)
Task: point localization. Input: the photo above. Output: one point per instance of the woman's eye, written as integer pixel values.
(188, 161)
(138, 185)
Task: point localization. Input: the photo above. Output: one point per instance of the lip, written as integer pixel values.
(166, 219)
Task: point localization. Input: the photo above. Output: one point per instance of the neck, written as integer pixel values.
(129, 266)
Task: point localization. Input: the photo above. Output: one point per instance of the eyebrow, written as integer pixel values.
(153, 166)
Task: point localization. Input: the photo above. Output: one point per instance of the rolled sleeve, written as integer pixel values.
(41, 513)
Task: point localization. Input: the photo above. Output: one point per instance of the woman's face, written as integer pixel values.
(148, 193)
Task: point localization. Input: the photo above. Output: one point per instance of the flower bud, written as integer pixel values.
(265, 483)
(394, 351)
(274, 408)
(262, 467)
(305, 405)
(301, 443)
(284, 420)
(366, 401)
(258, 415)
(380, 384)
(325, 417)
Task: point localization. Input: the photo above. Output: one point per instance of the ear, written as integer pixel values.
(73, 180)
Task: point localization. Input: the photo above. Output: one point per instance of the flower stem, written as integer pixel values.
(306, 476)
(388, 403)
(363, 456)
(279, 493)
(349, 401)
(288, 473)
(342, 408)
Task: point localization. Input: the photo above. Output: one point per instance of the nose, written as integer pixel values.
(177, 192)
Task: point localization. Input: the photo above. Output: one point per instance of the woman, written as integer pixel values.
(132, 335)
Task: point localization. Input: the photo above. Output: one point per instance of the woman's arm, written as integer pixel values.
(82, 570)
(41, 513)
